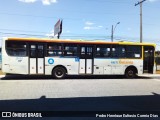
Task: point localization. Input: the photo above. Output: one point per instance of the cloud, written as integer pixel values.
(89, 23)
(88, 28)
(28, 1)
(100, 26)
(44, 2)
(51, 34)
(48, 2)
(92, 27)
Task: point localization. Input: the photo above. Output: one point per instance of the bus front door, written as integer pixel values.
(86, 60)
(36, 59)
(148, 61)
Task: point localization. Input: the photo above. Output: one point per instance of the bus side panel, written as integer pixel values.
(71, 64)
(89, 66)
(102, 66)
(154, 69)
(116, 66)
(137, 63)
(33, 66)
(13, 64)
(40, 65)
(5, 67)
(82, 66)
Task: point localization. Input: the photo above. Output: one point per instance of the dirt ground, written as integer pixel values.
(158, 72)
(1, 73)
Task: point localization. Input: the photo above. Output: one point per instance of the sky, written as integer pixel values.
(82, 19)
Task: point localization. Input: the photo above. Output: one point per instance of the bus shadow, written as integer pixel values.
(49, 77)
(25, 77)
(117, 103)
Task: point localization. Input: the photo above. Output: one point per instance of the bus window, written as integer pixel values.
(89, 51)
(40, 51)
(103, 51)
(122, 51)
(98, 52)
(115, 52)
(54, 50)
(133, 51)
(15, 48)
(82, 52)
(70, 50)
(33, 51)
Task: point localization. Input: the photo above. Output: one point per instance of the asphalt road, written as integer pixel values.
(79, 93)
(96, 93)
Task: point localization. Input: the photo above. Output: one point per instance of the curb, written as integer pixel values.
(150, 75)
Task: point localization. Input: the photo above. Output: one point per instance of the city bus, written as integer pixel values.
(59, 58)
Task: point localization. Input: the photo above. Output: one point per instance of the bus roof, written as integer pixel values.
(77, 41)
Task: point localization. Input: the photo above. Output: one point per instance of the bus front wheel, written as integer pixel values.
(130, 73)
(59, 73)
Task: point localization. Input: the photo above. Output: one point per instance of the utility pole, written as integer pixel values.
(141, 27)
(112, 34)
(113, 30)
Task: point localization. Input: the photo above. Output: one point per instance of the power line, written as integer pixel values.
(22, 34)
(71, 36)
(140, 2)
(11, 33)
(51, 17)
(79, 36)
(110, 1)
(75, 35)
(22, 30)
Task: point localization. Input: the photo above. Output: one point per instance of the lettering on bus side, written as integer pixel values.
(114, 62)
(19, 59)
(77, 59)
(122, 62)
(125, 62)
(51, 61)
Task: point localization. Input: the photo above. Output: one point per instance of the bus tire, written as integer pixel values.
(130, 72)
(59, 73)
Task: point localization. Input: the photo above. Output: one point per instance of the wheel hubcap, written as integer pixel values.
(59, 73)
(130, 73)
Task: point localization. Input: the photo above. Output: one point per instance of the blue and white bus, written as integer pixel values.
(56, 57)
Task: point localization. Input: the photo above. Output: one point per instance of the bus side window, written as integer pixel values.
(15, 48)
(33, 51)
(115, 53)
(122, 51)
(103, 51)
(133, 51)
(70, 50)
(40, 51)
(54, 50)
(107, 52)
(98, 52)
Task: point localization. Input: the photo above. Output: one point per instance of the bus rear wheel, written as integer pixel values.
(59, 73)
(130, 73)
